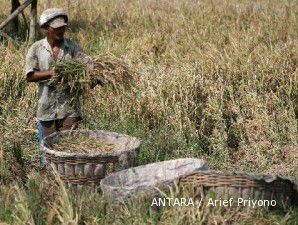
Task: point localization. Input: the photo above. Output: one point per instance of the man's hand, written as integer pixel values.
(94, 81)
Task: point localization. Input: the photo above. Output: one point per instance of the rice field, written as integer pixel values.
(214, 79)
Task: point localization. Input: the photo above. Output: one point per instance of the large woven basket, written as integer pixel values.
(242, 185)
(80, 169)
(143, 180)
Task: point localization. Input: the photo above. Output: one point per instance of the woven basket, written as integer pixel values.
(81, 169)
(242, 185)
(121, 186)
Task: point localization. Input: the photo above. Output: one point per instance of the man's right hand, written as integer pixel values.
(40, 75)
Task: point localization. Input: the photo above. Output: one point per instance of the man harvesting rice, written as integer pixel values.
(57, 109)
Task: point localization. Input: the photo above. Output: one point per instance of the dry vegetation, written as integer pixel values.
(82, 144)
(71, 77)
(216, 80)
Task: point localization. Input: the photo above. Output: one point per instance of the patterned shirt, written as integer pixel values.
(52, 103)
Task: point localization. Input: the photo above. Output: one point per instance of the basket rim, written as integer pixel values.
(70, 155)
(260, 177)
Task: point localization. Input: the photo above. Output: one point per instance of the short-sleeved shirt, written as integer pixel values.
(52, 103)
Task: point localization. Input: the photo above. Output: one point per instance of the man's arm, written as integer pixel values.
(32, 71)
(40, 75)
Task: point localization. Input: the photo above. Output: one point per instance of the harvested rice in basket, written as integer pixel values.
(82, 144)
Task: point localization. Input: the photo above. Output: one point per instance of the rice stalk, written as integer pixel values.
(22, 213)
(113, 72)
(62, 211)
(71, 77)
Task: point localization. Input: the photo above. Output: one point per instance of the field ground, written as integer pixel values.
(216, 80)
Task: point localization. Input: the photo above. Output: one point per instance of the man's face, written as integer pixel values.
(56, 34)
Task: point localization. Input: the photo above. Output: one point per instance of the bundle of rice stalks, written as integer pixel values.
(70, 76)
(113, 72)
(74, 78)
(82, 144)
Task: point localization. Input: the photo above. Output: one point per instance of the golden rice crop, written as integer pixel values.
(113, 72)
(219, 81)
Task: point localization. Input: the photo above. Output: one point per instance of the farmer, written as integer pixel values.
(56, 110)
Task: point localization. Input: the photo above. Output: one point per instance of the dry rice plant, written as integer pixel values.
(73, 77)
(113, 72)
(62, 211)
(70, 76)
